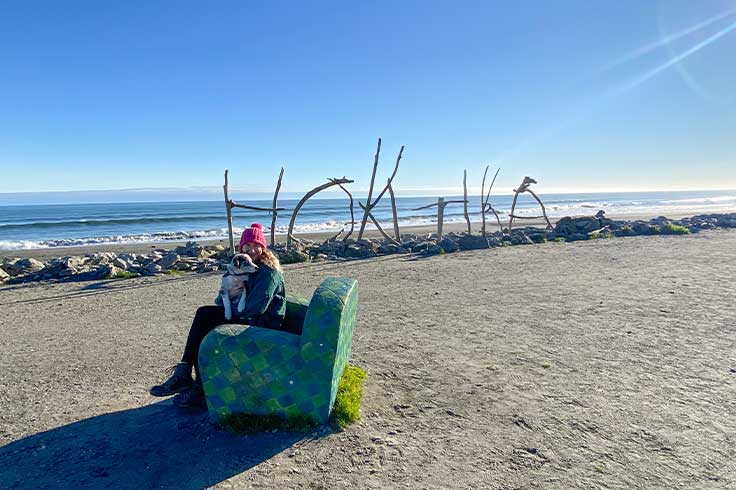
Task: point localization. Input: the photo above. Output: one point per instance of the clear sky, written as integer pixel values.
(581, 95)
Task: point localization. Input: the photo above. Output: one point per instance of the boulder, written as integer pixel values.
(449, 245)
(168, 260)
(472, 242)
(433, 249)
(192, 249)
(391, 248)
(100, 258)
(570, 226)
(23, 266)
(293, 256)
(4, 276)
(107, 271)
(359, 252)
(151, 269)
(120, 263)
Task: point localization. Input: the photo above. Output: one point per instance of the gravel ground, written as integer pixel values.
(599, 364)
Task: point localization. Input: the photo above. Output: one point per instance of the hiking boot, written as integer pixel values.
(179, 381)
(192, 398)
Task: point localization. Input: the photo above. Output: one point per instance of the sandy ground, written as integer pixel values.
(606, 364)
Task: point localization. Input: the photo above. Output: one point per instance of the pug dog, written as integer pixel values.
(238, 270)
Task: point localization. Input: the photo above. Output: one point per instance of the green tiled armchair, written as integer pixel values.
(289, 372)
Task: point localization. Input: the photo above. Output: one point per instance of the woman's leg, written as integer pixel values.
(205, 320)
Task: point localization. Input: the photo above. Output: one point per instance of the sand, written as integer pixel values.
(597, 364)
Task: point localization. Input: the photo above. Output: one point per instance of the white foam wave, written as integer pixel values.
(703, 200)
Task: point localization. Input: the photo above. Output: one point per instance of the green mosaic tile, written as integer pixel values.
(261, 371)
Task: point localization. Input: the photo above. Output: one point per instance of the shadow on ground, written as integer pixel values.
(156, 446)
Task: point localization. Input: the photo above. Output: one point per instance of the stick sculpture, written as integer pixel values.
(275, 211)
(465, 197)
(441, 203)
(368, 207)
(352, 215)
(230, 204)
(289, 236)
(524, 187)
(485, 204)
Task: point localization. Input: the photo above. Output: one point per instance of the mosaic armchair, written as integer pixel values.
(290, 372)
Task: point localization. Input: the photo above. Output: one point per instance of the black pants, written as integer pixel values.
(205, 320)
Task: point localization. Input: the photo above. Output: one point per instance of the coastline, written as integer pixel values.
(145, 247)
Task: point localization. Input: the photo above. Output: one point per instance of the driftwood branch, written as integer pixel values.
(485, 198)
(544, 210)
(352, 216)
(397, 233)
(334, 237)
(276, 210)
(228, 208)
(290, 236)
(454, 201)
(254, 208)
(378, 225)
(483, 204)
(441, 203)
(390, 179)
(498, 219)
(370, 189)
(524, 187)
(516, 216)
(371, 204)
(465, 197)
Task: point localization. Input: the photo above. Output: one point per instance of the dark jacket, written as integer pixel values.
(265, 304)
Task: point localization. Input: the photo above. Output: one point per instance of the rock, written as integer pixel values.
(101, 258)
(357, 251)
(151, 269)
(420, 246)
(519, 238)
(107, 271)
(4, 276)
(293, 256)
(120, 263)
(569, 226)
(642, 228)
(23, 266)
(472, 242)
(433, 249)
(449, 245)
(391, 248)
(74, 262)
(574, 237)
(168, 260)
(192, 249)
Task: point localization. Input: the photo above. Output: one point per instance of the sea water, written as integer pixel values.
(54, 225)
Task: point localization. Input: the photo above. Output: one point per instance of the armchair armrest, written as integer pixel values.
(248, 369)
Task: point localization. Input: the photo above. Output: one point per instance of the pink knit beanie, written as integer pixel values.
(254, 234)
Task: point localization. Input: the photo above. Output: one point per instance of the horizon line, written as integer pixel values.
(422, 190)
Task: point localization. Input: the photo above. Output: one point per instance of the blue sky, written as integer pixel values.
(581, 95)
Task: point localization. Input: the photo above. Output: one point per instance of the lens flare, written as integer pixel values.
(675, 59)
(666, 40)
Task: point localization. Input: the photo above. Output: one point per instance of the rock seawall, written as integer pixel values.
(194, 257)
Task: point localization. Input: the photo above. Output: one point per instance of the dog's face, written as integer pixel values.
(241, 264)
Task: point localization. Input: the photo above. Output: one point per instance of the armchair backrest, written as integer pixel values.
(328, 329)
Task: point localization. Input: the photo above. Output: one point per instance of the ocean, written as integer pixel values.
(64, 225)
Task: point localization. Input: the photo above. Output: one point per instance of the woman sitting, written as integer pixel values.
(265, 306)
